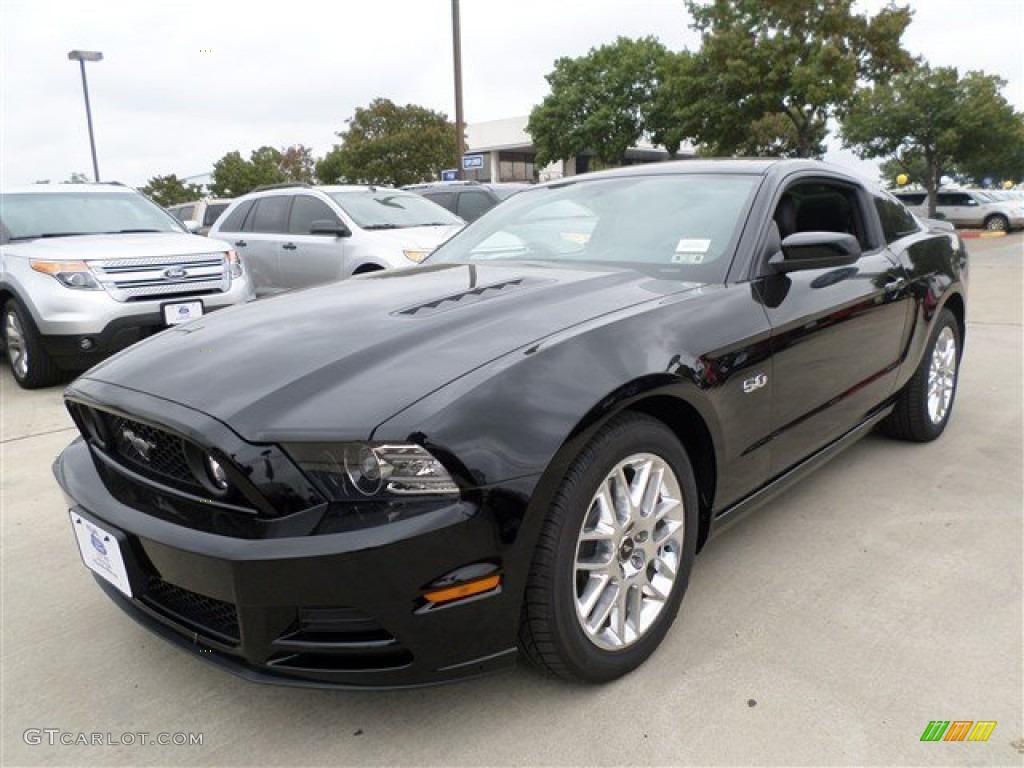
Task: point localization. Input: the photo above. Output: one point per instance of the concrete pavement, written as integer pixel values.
(830, 627)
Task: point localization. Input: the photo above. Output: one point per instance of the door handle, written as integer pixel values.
(289, 246)
(240, 243)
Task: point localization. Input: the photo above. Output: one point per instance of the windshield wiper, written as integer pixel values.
(437, 224)
(381, 226)
(131, 231)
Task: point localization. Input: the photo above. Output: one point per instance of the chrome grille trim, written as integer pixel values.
(126, 279)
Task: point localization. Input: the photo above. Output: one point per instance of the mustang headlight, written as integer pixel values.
(358, 471)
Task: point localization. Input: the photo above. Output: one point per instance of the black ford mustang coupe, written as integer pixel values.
(521, 445)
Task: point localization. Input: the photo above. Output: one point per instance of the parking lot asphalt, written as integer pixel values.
(830, 627)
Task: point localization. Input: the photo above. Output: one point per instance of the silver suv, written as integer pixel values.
(293, 235)
(88, 269)
(967, 208)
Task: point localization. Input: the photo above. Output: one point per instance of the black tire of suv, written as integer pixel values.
(997, 223)
(41, 370)
(910, 419)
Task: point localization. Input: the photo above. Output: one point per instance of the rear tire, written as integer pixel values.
(924, 406)
(614, 557)
(31, 366)
(997, 223)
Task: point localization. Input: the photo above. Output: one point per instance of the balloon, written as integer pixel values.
(902, 179)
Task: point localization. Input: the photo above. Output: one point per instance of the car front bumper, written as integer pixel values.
(337, 610)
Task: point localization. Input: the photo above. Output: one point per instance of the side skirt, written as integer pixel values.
(725, 518)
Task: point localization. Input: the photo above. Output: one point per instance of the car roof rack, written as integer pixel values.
(282, 185)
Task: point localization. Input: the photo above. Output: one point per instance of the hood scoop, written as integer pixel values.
(472, 296)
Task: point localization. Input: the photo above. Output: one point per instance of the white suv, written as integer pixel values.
(88, 269)
(967, 208)
(294, 235)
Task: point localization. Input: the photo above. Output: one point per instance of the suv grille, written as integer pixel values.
(202, 614)
(128, 279)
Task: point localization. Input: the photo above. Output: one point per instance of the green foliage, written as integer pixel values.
(390, 145)
(771, 73)
(951, 123)
(234, 176)
(297, 163)
(600, 102)
(78, 178)
(170, 190)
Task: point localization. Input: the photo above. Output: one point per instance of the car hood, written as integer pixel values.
(338, 360)
(422, 238)
(135, 245)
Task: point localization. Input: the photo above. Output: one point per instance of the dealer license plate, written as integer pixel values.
(182, 312)
(101, 552)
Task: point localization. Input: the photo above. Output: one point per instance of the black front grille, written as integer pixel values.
(202, 614)
(150, 449)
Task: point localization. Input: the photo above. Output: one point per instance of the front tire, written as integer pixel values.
(31, 366)
(614, 556)
(924, 406)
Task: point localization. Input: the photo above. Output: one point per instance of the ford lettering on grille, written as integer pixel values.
(175, 273)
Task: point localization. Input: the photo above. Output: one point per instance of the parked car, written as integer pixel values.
(467, 199)
(403, 477)
(88, 269)
(202, 212)
(967, 208)
(295, 236)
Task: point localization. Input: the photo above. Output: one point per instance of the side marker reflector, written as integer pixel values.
(460, 591)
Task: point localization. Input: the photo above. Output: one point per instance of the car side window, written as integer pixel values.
(896, 220)
(305, 210)
(473, 204)
(271, 214)
(955, 198)
(235, 221)
(821, 207)
(444, 199)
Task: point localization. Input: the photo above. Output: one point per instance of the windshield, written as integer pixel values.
(685, 224)
(31, 215)
(389, 209)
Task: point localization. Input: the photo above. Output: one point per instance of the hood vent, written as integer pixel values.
(465, 298)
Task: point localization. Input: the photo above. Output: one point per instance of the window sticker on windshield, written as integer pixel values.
(691, 251)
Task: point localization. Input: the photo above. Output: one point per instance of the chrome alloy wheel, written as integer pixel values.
(628, 551)
(17, 351)
(942, 375)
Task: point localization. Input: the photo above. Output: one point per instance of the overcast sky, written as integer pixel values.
(182, 83)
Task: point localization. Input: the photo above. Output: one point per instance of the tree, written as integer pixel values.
(935, 115)
(390, 145)
(234, 176)
(600, 102)
(297, 163)
(77, 178)
(770, 74)
(170, 190)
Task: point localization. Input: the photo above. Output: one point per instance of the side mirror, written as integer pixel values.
(816, 250)
(191, 226)
(328, 227)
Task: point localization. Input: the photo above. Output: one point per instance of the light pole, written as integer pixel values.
(81, 57)
(460, 136)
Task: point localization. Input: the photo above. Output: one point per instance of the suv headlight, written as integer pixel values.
(416, 255)
(362, 471)
(72, 274)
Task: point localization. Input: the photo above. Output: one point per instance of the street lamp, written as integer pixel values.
(81, 57)
(460, 137)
